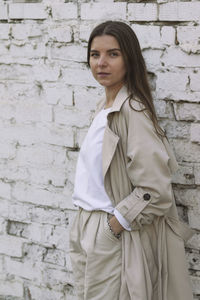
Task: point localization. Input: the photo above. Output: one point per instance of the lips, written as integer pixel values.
(103, 73)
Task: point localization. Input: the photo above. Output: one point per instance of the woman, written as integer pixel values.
(126, 241)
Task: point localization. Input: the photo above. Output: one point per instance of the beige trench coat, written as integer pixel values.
(137, 168)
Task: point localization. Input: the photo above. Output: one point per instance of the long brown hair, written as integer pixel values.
(136, 75)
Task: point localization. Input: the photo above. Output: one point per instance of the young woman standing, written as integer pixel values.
(126, 242)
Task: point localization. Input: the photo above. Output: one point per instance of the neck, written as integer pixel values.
(111, 93)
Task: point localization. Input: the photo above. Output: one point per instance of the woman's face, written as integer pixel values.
(106, 61)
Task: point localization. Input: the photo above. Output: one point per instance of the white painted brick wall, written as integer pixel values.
(179, 11)
(142, 12)
(148, 35)
(64, 11)
(3, 12)
(27, 11)
(47, 100)
(95, 11)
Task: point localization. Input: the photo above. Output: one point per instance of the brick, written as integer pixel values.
(86, 98)
(45, 175)
(16, 228)
(195, 81)
(179, 11)
(68, 264)
(46, 72)
(57, 239)
(194, 220)
(25, 111)
(56, 135)
(29, 134)
(45, 293)
(38, 233)
(17, 91)
(184, 175)
(65, 11)
(174, 56)
(194, 242)
(7, 151)
(4, 30)
(39, 196)
(11, 288)
(71, 117)
(78, 77)
(56, 257)
(186, 151)
(84, 31)
(57, 93)
(48, 216)
(24, 31)
(5, 190)
(169, 82)
(3, 229)
(55, 277)
(3, 12)
(142, 12)
(41, 155)
(69, 53)
(195, 133)
(19, 212)
(163, 109)
(176, 129)
(168, 35)
(188, 38)
(187, 111)
(152, 59)
(12, 172)
(34, 252)
(27, 269)
(34, 11)
(197, 173)
(4, 208)
(193, 260)
(11, 245)
(3, 50)
(95, 11)
(195, 284)
(19, 72)
(148, 36)
(187, 197)
(60, 34)
(71, 166)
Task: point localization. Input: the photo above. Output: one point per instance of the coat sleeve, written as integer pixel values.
(149, 172)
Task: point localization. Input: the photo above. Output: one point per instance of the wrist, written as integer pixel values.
(117, 235)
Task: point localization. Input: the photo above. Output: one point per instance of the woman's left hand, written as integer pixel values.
(115, 225)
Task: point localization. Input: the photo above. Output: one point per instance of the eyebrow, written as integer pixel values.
(114, 49)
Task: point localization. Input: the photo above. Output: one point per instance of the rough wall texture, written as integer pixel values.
(47, 100)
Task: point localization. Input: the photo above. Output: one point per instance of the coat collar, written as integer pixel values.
(120, 98)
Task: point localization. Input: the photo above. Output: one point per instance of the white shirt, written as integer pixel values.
(89, 192)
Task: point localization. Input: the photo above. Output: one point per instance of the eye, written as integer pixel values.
(113, 54)
(93, 54)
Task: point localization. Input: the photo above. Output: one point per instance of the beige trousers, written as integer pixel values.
(95, 256)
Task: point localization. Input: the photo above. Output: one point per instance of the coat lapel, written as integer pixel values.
(110, 139)
(110, 142)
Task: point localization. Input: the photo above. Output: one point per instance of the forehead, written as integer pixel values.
(104, 42)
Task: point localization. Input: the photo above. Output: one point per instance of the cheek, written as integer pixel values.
(92, 65)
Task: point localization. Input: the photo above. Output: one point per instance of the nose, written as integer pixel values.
(102, 61)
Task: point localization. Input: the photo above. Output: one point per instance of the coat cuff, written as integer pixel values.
(122, 220)
(133, 205)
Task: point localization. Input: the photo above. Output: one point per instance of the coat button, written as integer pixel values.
(146, 197)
